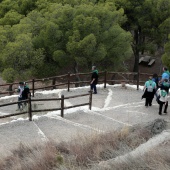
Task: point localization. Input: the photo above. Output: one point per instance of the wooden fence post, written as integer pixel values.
(62, 105)
(33, 82)
(90, 100)
(29, 108)
(138, 80)
(105, 78)
(10, 89)
(68, 78)
(53, 83)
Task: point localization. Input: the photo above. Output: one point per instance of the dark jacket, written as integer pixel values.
(95, 76)
(147, 94)
(25, 92)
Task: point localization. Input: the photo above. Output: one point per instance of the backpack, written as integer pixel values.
(150, 88)
(166, 84)
(163, 93)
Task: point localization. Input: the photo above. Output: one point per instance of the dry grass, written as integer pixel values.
(82, 153)
(156, 159)
(88, 151)
(40, 157)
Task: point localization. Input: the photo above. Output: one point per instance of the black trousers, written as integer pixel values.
(93, 87)
(148, 101)
(161, 106)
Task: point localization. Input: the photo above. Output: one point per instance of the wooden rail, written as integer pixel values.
(67, 81)
(62, 99)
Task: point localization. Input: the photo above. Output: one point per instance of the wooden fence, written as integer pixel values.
(62, 99)
(68, 80)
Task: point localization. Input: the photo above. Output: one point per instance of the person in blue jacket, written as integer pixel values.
(165, 85)
(165, 75)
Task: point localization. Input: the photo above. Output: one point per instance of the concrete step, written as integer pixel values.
(14, 133)
(59, 129)
(95, 120)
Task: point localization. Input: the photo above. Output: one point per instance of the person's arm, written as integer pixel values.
(155, 86)
(94, 76)
(144, 86)
(166, 98)
(158, 92)
(92, 80)
(18, 90)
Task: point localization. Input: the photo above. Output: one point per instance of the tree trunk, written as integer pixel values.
(136, 51)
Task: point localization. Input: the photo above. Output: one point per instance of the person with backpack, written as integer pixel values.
(149, 91)
(20, 97)
(162, 100)
(94, 80)
(165, 85)
(25, 93)
(165, 75)
(156, 79)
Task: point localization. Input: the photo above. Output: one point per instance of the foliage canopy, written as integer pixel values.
(41, 37)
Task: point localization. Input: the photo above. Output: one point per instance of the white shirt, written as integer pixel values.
(21, 88)
(162, 99)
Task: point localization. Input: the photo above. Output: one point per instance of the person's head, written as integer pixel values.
(21, 83)
(93, 67)
(165, 69)
(150, 77)
(155, 75)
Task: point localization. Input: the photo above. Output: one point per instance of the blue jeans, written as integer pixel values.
(93, 87)
(19, 104)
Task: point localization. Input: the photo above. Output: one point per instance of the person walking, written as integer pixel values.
(149, 91)
(156, 79)
(25, 93)
(162, 100)
(165, 75)
(94, 80)
(20, 90)
(165, 85)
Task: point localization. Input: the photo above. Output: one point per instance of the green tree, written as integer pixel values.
(18, 54)
(26, 6)
(166, 55)
(98, 38)
(144, 21)
(6, 6)
(69, 33)
(86, 34)
(9, 74)
(11, 17)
